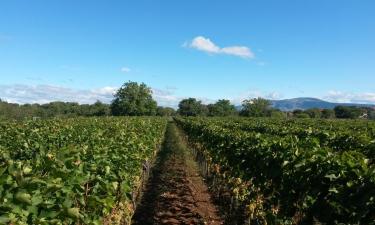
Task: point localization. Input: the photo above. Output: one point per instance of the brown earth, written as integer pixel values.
(176, 193)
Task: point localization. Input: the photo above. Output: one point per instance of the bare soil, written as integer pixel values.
(176, 193)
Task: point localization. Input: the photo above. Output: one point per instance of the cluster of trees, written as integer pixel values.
(340, 112)
(134, 99)
(53, 109)
(351, 112)
(314, 113)
(194, 107)
(257, 107)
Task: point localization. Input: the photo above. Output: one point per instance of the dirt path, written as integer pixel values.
(176, 193)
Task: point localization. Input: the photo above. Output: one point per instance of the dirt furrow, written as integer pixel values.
(176, 193)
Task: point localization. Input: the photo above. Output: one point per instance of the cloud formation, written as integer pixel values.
(41, 94)
(249, 94)
(125, 69)
(166, 97)
(349, 97)
(48, 93)
(206, 45)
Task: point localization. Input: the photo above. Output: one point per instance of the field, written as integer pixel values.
(75, 171)
(289, 171)
(258, 171)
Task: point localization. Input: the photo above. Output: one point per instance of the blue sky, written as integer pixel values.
(81, 50)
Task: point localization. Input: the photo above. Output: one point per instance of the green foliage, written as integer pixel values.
(278, 114)
(328, 114)
(256, 107)
(371, 115)
(314, 113)
(53, 109)
(221, 108)
(302, 115)
(295, 171)
(133, 99)
(191, 107)
(165, 111)
(74, 171)
(298, 113)
(348, 112)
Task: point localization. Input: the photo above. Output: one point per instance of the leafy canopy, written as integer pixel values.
(191, 107)
(165, 111)
(256, 107)
(348, 112)
(133, 99)
(222, 107)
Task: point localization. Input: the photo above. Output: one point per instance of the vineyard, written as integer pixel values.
(288, 172)
(75, 171)
(258, 171)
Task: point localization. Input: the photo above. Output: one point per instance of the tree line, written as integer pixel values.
(134, 99)
(259, 107)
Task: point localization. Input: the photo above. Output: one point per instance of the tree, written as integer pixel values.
(221, 108)
(100, 109)
(347, 112)
(191, 107)
(302, 115)
(314, 113)
(328, 113)
(165, 111)
(133, 99)
(256, 107)
(278, 114)
(371, 115)
(299, 113)
(52, 109)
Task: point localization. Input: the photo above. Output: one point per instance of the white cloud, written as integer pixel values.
(240, 51)
(105, 91)
(41, 94)
(273, 95)
(237, 100)
(125, 69)
(249, 94)
(206, 45)
(49, 93)
(350, 97)
(166, 98)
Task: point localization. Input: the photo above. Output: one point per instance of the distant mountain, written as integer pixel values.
(308, 103)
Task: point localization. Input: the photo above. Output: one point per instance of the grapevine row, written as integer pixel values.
(76, 171)
(279, 182)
